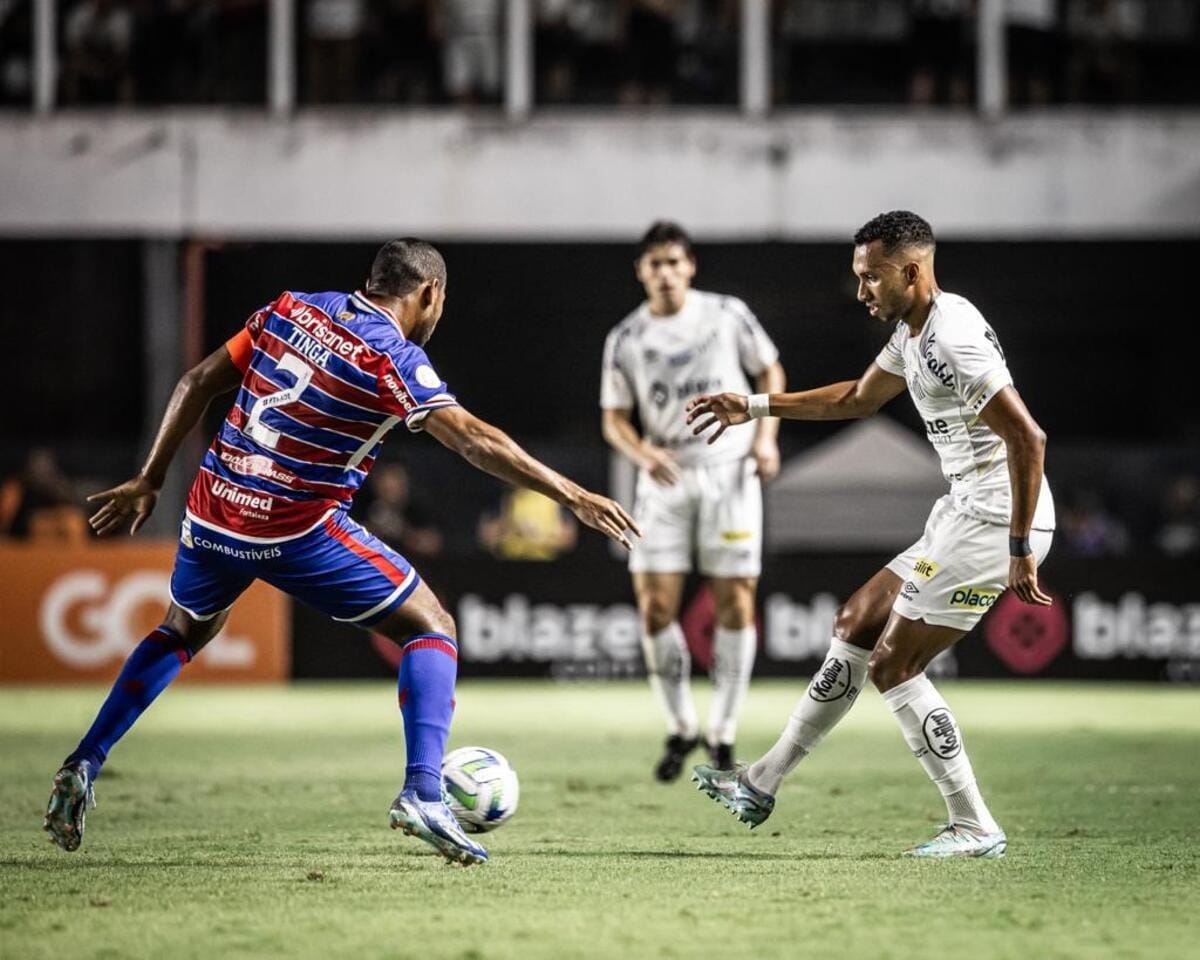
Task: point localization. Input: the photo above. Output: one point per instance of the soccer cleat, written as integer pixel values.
(675, 751)
(733, 791)
(432, 821)
(721, 756)
(69, 801)
(955, 841)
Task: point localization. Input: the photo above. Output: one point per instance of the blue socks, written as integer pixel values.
(428, 669)
(154, 663)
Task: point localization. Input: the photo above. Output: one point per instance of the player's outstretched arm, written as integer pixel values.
(493, 451)
(1009, 418)
(214, 375)
(618, 429)
(846, 400)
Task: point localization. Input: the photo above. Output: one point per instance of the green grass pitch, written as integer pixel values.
(252, 822)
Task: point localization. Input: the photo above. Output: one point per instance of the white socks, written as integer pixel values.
(829, 697)
(670, 668)
(733, 661)
(933, 735)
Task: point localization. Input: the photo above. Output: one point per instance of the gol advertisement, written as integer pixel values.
(72, 614)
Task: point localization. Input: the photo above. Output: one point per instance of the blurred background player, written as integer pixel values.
(321, 379)
(691, 498)
(989, 533)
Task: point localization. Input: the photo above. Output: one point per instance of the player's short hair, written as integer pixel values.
(896, 229)
(665, 231)
(402, 265)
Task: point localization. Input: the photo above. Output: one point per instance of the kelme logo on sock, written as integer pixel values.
(832, 681)
(941, 733)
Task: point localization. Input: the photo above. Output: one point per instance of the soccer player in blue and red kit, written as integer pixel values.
(321, 379)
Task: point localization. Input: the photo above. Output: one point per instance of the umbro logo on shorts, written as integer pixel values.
(910, 589)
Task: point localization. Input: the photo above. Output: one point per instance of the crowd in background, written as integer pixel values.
(625, 52)
(40, 502)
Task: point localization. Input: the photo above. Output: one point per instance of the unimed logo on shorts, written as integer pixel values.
(941, 733)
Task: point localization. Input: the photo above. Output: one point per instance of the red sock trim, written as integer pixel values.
(430, 643)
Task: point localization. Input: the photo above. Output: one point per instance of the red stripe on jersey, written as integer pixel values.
(373, 557)
(298, 449)
(264, 468)
(260, 386)
(247, 512)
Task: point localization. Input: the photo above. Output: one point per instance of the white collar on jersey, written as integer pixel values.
(361, 300)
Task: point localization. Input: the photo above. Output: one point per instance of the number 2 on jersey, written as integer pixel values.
(258, 430)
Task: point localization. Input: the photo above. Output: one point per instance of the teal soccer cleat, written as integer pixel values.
(70, 799)
(432, 821)
(955, 841)
(733, 791)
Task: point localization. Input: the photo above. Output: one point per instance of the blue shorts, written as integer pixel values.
(338, 568)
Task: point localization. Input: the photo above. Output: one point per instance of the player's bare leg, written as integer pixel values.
(735, 643)
(668, 665)
(897, 669)
(748, 792)
(427, 638)
(153, 664)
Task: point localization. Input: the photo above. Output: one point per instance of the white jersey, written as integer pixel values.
(953, 368)
(656, 364)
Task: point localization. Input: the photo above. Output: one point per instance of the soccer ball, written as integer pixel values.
(481, 788)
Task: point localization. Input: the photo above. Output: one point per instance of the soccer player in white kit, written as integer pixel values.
(691, 498)
(989, 533)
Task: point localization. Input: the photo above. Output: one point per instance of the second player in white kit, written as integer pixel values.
(692, 500)
(988, 534)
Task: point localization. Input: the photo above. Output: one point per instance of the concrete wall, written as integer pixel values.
(802, 176)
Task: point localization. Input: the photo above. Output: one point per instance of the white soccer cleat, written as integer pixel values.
(957, 841)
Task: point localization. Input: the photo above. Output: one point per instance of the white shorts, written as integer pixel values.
(958, 569)
(713, 512)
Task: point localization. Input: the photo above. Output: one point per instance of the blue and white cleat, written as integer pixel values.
(70, 799)
(432, 821)
(956, 841)
(733, 791)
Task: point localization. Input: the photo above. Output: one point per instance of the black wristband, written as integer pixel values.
(1019, 547)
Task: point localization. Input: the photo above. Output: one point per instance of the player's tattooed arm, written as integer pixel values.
(1009, 418)
(214, 375)
(493, 451)
(618, 429)
(766, 436)
(846, 400)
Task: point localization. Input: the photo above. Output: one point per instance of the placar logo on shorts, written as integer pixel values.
(941, 733)
(925, 568)
(973, 599)
(832, 682)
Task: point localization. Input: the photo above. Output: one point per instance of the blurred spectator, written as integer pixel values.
(708, 37)
(470, 34)
(651, 51)
(1089, 530)
(529, 526)
(402, 54)
(1102, 67)
(39, 503)
(395, 517)
(1178, 533)
(16, 64)
(334, 30)
(1032, 54)
(556, 51)
(942, 50)
(840, 51)
(99, 40)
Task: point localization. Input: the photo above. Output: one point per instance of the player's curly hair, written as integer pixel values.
(896, 229)
(665, 231)
(402, 265)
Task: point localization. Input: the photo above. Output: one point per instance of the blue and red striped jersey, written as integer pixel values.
(327, 375)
